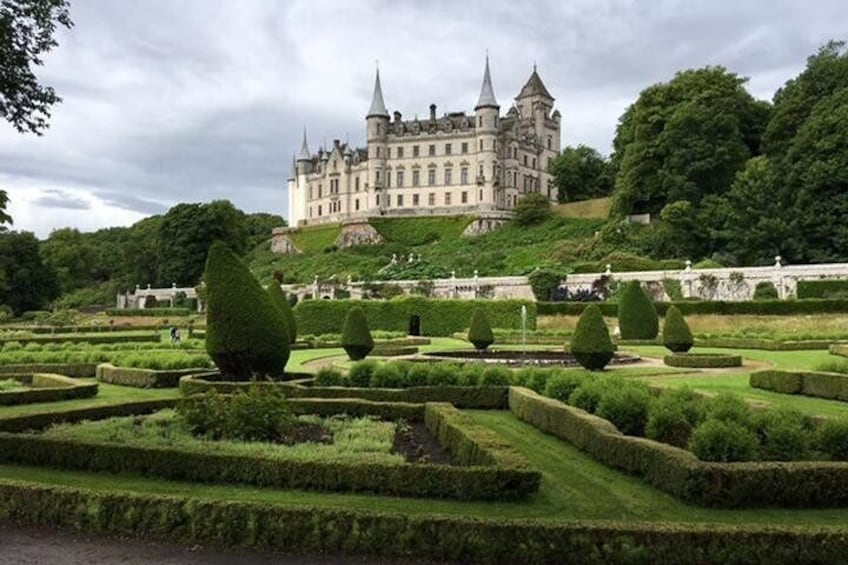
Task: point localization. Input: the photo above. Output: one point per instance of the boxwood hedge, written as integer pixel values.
(833, 386)
(703, 360)
(762, 308)
(143, 378)
(47, 387)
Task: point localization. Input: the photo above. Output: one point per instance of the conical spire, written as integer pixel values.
(304, 149)
(378, 107)
(534, 87)
(487, 93)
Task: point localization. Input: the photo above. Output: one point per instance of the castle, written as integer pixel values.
(454, 164)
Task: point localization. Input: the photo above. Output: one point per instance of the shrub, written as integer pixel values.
(724, 441)
(327, 376)
(360, 373)
(356, 337)
(418, 374)
(784, 434)
(729, 408)
(589, 393)
(480, 332)
(832, 438)
(627, 407)
(388, 375)
(444, 374)
(534, 208)
(637, 317)
(561, 385)
(278, 297)
(677, 336)
(544, 282)
(471, 374)
(668, 423)
(495, 376)
(531, 377)
(765, 291)
(591, 344)
(246, 334)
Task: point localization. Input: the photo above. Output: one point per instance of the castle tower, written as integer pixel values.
(378, 147)
(301, 167)
(535, 104)
(486, 113)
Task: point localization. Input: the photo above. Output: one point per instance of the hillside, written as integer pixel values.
(598, 208)
(511, 250)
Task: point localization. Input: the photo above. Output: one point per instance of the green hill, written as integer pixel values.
(511, 250)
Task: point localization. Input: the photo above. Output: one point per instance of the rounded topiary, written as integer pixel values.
(591, 344)
(677, 336)
(278, 297)
(637, 318)
(246, 335)
(480, 331)
(356, 337)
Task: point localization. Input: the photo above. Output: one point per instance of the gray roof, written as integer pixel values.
(378, 107)
(534, 87)
(487, 93)
(304, 149)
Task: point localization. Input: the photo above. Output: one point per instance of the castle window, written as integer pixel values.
(480, 172)
(319, 209)
(310, 193)
(378, 152)
(377, 200)
(415, 151)
(515, 152)
(400, 179)
(481, 194)
(494, 171)
(377, 178)
(416, 178)
(494, 145)
(447, 148)
(320, 191)
(400, 200)
(464, 147)
(431, 199)
(479, 121)
(463, 175)
(534, 162)
(356, 182)
(431, 150)
(464, 197)
(448, 175)
(431, 177)
(400, 152)
(549, 142)
(447, 199)
(415, 199)
(481, 145)
(356, 203)
(525, 160)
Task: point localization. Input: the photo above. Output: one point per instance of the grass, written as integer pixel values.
(315, 239)
(595, 208)
(354, 439)
(412, 232)
(11, 385)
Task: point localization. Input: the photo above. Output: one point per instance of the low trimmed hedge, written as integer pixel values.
(69, 415)
(840, 349)
(455, 539)
(104, 337)
(393, 351)
(48, 387)
(149, 312)
(688, 307)
(474, 481)
(703, 360)
(470, 397)
(766, 344)
(833, 386)
(678, 472)
(77, 370)
(143, 378)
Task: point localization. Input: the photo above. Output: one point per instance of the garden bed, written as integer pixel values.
(44, 387)
(703, 360)
(521, 358)
(144, 378)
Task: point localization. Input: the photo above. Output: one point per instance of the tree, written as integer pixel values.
(591, 344)
(4, 217)
(278, 297)
(480, 331)
(677, 337)
(532, 208)
(26, 34)
(581, 173)
(637, 318)
(27, 283)
(246, 334)
(259, 225)
(356, 337)
(68, 252)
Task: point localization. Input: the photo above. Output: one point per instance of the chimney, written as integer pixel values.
(432, 111)
(397, 117)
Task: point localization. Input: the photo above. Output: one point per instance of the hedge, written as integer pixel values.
(438, 317)
(474, 481)
(470, 397)
(77, 370)
(47, 387)
(822, 289)
(702, 360)
(104, 337)
(143, 378)
(679, 472)
(766, 344)
(456, 539)
(833, 386)
(46, 419)
(762, 307)
(149, 312)
(839, 349)
(393, 350)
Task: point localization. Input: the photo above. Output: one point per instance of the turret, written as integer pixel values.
(304, 158)
(378, 136)
(486, 113)
(535, 104)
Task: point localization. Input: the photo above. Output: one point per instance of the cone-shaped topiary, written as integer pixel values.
(278, 297)
(356, 337)
(677, 336)
(480, 331)
(591, 344)
(637, 318)
(246, 335)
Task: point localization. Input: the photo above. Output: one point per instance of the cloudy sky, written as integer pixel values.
(169, 101)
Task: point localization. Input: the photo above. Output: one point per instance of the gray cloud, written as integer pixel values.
(168, 102)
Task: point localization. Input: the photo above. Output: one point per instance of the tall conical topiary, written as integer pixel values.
(246, 334)
(591, 344)
(356, 337)
(281, 301)
(480, 331)
(677, 336)
(637, 318)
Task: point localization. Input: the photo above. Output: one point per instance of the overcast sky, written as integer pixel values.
(169, 101)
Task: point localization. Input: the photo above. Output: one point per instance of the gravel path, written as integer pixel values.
(23, 545)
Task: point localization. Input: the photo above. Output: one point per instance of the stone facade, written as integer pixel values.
(453, 164)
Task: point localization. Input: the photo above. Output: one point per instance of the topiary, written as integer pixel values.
(677, 337)
(246, 335)
(280, 301)
(591, 344)
(356, 337)
(724, 441)
(637, 317)
(480, 331)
